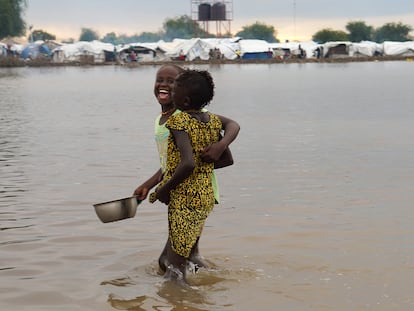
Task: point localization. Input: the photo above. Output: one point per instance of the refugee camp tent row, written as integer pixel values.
(203, 49)
(367, 49)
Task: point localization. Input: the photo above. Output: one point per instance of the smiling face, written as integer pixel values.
(164, 83)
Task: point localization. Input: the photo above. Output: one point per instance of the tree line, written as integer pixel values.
(359, 31)
(12, 24)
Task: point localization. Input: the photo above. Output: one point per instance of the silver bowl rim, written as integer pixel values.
(118, 200)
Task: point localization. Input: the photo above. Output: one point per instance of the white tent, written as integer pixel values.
(144, 51)
(365, 48)
(398, 48)
(3, 49)
(336, 48)
(192, 49)
(293, 47)
(74, 52)
(254, 46)
(227, 46)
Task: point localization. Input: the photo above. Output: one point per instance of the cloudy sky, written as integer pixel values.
(292, 19)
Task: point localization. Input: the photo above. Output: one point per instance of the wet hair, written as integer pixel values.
(199, 85)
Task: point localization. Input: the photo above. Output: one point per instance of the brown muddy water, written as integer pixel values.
(316, 214)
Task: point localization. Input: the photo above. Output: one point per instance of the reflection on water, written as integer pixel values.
(315, 214)
(168, 295)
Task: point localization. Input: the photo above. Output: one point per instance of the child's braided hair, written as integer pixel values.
(200, 86)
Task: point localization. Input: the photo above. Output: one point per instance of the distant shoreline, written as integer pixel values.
(14, 62)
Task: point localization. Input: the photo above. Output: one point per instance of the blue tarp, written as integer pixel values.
(34, 50)
(258, 55)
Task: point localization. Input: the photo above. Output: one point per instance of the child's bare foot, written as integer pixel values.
(163, 264)
(198, 261)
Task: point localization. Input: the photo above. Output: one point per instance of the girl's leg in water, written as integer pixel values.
(177, 266)
(196, 258)
(162, 260)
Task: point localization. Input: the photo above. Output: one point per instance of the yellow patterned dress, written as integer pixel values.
(192, 200)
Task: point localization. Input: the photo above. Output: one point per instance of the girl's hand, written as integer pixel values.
(141, 192)
(213, 152)
(163, 195)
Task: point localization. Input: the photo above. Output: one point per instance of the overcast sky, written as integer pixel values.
(292, 19)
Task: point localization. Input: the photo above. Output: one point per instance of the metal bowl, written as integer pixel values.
(117, 209)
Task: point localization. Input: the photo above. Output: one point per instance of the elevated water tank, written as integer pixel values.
(204, 12)
(218, 12)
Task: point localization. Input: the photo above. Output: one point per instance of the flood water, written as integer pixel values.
(316, 213)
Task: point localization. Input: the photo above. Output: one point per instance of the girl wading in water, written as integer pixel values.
(163, 86)
(186, 186)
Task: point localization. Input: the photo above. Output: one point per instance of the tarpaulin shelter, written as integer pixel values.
(35, 50)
